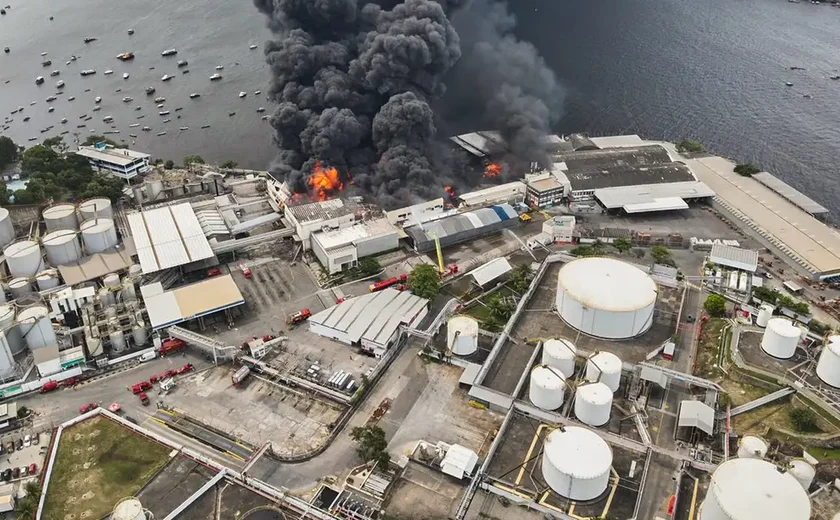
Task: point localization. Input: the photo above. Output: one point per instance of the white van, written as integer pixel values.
(148, 356)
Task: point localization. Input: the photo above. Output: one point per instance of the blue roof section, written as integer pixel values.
(502, 211)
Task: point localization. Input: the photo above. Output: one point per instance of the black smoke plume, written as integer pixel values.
(353, 81)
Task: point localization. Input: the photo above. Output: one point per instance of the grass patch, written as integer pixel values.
(742, 393)
(824, 453)
(709, 349)
(99, 462)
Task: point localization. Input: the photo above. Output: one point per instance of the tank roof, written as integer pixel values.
(20, 247)
(6, 309)
(59, 210)
(607, 284)
(96, 225)
(578, 452)
(606, 361)
(783, 327)
(37, 311)
(595, 393)
(549, 378)
(560, 347)
(748, 489)
(59, 236)
(96, 201)
(3, 213)
(464, 324)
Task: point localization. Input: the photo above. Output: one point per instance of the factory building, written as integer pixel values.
(416, 214)
(165, 237)
(734, 257)
(560, 229)
(341, 249)
(319, 216)
(119, 162)
(510, 192)
(544, 190)
(462, 227)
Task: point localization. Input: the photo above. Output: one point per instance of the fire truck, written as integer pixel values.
(378, 286)
(297, 318)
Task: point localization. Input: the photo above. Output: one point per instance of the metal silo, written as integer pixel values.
(135, 270)
(7, 360)
(98, 235)
(764, 315)
(24, 258)
(94, 346)
(20, 286)
(576, 463)
(62, 247)
(560, 354)
(111, 280)
(604, 367)
(139, 334)
(130, 509)
(547, 388)
(780, 338)
(10, 327)
(804, 472)
(36, 327)
(60, 216)
(47, 279)
(96, 208)
(106, 297)
(828, 367)
(7, 230)
(462, 335)
(116, 335)
(593, 403)
(752, 447)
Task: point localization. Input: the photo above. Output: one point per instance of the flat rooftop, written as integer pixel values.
(119, 156)
(796, 197)
(812, 244)
(322, 210)
(349, 235)
(549, 183)
(190, 301)
(618, 197)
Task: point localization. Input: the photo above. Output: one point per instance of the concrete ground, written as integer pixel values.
(749, 346)
(659, 487)
(425, 494)
(688, 484)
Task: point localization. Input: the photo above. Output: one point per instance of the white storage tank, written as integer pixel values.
(96, 208)
(743, 282)
(117, 340)
(576, 463)
(754, 489)
(606, 368)
(10, 327)
(62, 247)
(828, 366)
(60, 216)
(733, 280)
(24, 258)
(128, 291)
(106, 297)
(462, 335)
(7, 230)
(94, 346)
(764, 315)
(780, 338)
(804, 472)
(98, 235)
(36, 327)
(135, 270)
(606, 298)
(111, 280)
(139, 335)
(129, 509)
(547, 388)
(560, 354)
(593, 404)
(47, 279)
(20, 286)
(7, 360)
(752, 447)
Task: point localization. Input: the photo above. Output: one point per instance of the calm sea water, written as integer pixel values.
(714, 70)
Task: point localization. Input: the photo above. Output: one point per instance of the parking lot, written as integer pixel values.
(19, 461)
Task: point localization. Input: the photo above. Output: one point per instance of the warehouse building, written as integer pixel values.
(509, 192)
(317, 216)
(342, 248)
(169, 236)
(734, 257)
(371, 321)
(462, 227)
(119, 162)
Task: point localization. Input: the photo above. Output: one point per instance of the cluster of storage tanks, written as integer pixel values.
(112, 292)
(21, 328)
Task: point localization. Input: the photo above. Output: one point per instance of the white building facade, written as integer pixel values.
(119, 162)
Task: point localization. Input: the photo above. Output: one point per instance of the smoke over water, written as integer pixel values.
(354, 79)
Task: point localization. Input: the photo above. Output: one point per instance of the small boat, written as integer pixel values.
(150, 91)
(51, 109)
(184, 128)
(167, 120)
(88, 118)
(166, 77)
(205, 126)
(798, 68)
(134, 125)
(45, 130)
(82, 116)
(43, 54)
(127, 99)
(63, 120)
(264, 118)
(71, 98)
(260, 110)
(252, 47)
(125, 56)
(185, 71)
(160, 105)
(50, 99)
(141, 116)
(89, 39)
(109, 72)
(137, 108)
(132, 135)
(215, 77)
(39, 80)
(160, 99)
(788, 83)
(32, 103)
(65, 132)
(118, 90)
(182, 63)
(243, 94)
(147, 128)
(220, 67)
(179, 109)
(806, 96)
(67, 62)
(80, 126)
(73, 57)
(194, 95)
(6, 50)
(88, 72)
(87, 90)
(107, 119)
(835, 78)
(54, 73)
(97, 99)
(257, 92)
(59, 84)
(46, 63)
(125, 75)
(231, 114)
(96, 109)
(33, 138)
(25, 119)
(169, 52)
(161, 133)
(163, 113)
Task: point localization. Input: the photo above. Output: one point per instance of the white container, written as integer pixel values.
(780, 338)
(828, 366)
(7, 230)
(606, 298)
(36, 327)
(106, 297)
(764, 315)
(752, 447)
(129, 509)
(60, 216)
(10, 327)
(139, 335)
(117, 340)
(593, 404)
(804, 472)
(606, 368)
(733, 280)
(24, 258)
(20, 286)
(462, 335)
(743, 282)
(94, 346)
(111, 311)
(111, 280)
(47, 279)
(128, 291)
(576, 463)
(560, 354)
(62, 247)
(96, 208)
(754, 489)
(547, 388)
(135, 270)
(98, 235)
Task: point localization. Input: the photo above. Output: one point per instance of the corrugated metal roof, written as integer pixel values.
(462, 222)
(190, 301)
(736, 257)
(168, 236)
(491, 270)
(622, 196)
(696, 414)
(787, 191)
(323, 210)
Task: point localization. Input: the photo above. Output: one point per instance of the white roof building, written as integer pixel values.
(167, 308)
(734, 257)
(120, 162)
(319, 216)
(168, 236)
(459, 461)
(511, 191)
(341, 248)
(491, 271)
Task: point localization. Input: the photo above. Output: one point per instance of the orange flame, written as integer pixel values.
(492, 170)
(449, 190)
(324, 182)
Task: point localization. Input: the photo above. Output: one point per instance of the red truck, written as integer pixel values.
(48, 387)
(87, 407)
(144, 399)
(184, 369)
(141, 387)
(378, 286)
(170, 346)
(298, 317)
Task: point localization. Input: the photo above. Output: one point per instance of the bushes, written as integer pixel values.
(747, 170)
(688, 145)
(803, 419)
(715, 305)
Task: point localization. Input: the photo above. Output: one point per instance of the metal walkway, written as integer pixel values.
(761, 401)
(191, 429)
(232, 245)
(209, 345)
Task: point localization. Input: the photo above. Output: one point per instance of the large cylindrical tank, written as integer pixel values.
(462, 335)
(47, 279)
(547, 388)
(752, 447)
(36, 327)
(62, 247)
(154, 189)
(780, 338)
(804, 472)
(128, 291)
(139, 335)
(764, 315)
(60, 216)
(135, 270)
(828, 366)
(106, 297)
(117, 340)
(754, 489)
(10, 327)
(604, 367)
(111, 280)
(24, 258)
(20, 286)
(98, 235)
(560, 354)
(576, 463)
(7, 360)
(593, 404)
(94, 346)
(7, 230)
(96, 208)
(605, 298)
(129, 509)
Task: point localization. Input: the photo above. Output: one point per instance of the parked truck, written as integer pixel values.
(298, 317)
(378, 286)
(240, 375)
(170, 346)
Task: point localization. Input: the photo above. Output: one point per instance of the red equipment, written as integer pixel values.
(141, 387)
(144, 399)
(88, 407)
(378, 286)
(246, 272)
(49, 386)
(298, 317)
(184, 369)
(171, 345)
(214, 272)
(67, 383)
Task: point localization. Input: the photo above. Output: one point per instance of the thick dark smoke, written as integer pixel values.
(353, 81)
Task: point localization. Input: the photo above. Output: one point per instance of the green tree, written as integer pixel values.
(803, 419)
(583, 251)
(715, 305)
(662, 255)
(25, 197)
(766, 295)
(689, 145)
(747, 170)
(500, 309)
(4, 194)
(190, 159)
(371, 444)
(520, 277)
(229, 164)
(40, 159)
(622, 245)
(168, 165)
(639, 252)
(8, 152)
(103, 186)
(369, 266)
(424, 281)
(93, 140)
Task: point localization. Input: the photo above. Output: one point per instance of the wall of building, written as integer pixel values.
(304, 230)
(377, 244)
(512, 191)
(420, 211)
(328, 332)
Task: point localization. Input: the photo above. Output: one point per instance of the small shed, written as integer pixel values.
(491, 271)
(459, 461)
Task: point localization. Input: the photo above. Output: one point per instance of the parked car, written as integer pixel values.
(33, 468)
(20, 444)
(10, 447)
(24, 471)
(27, 441)
(16, 473)
(70, 382)
(7, 475)
(36, 439)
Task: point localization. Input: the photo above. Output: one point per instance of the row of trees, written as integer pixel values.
(660, 254)
(774, 297)
(9, 152)
(197, 159)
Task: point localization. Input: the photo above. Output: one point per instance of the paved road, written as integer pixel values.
(180, 424)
